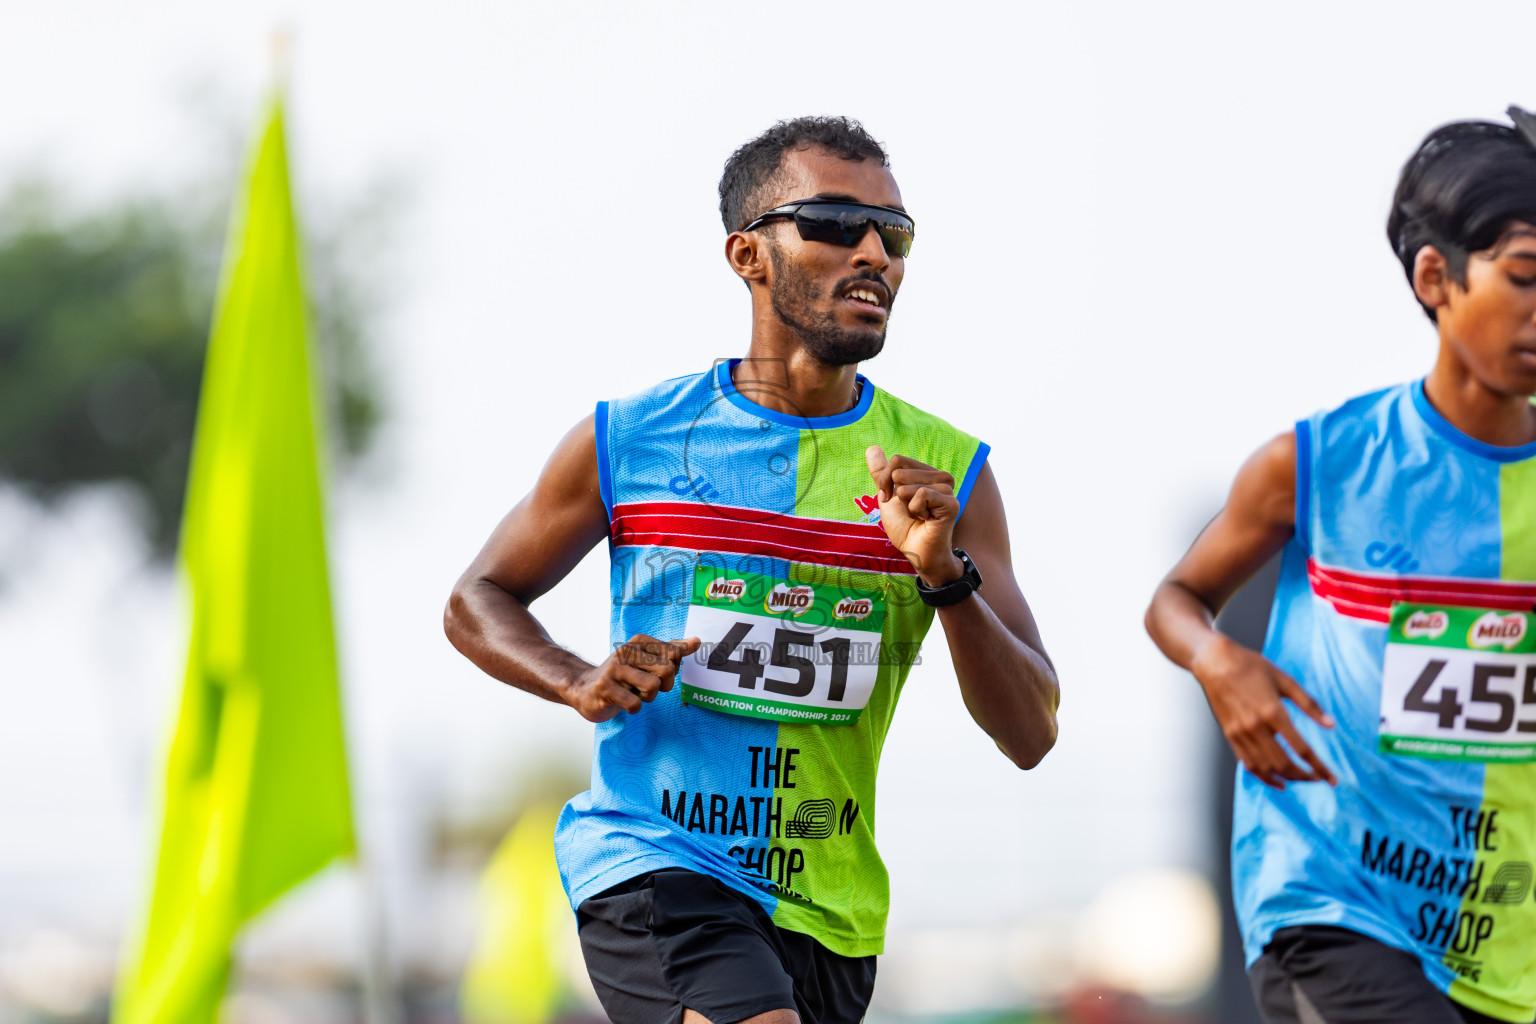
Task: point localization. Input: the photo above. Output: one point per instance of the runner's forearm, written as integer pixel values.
(1009, 688)
(497, 632)
(1180, 623)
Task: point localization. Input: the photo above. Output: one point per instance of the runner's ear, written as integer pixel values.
(1431, 277)
(748, 256)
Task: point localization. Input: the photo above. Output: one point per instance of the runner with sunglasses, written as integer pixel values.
(782, 533)
(1384, 837)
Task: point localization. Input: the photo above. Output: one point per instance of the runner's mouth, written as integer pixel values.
(867, 296)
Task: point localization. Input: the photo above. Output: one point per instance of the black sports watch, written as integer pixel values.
(954, 591)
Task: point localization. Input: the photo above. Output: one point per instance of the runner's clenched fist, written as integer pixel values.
(918, 509)
(632, 675)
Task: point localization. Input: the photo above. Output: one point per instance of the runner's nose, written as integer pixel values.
(870, 252)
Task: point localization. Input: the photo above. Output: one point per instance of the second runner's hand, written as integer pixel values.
(1246, 694)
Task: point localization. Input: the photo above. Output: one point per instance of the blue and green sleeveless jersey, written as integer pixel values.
(1404, 607)
(758, 767)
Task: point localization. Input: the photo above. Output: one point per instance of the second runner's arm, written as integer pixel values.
(532, 549)
(1245, 690)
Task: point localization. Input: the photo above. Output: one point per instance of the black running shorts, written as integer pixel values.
(677, 939)
(1317, 974)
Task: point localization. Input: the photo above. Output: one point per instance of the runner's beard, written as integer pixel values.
(793, 296)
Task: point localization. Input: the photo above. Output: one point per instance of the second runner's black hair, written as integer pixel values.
(1460, 191)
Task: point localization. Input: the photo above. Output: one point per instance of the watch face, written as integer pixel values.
(971, 572)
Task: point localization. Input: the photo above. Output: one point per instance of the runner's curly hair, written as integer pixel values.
(1460, 192)
(746, 184)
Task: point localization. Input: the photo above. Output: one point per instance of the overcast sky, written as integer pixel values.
(1150, 237)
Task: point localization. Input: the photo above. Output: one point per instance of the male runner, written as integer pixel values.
(1394, 882)
(781, 532)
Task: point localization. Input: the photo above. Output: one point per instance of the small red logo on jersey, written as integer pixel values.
(867, 503)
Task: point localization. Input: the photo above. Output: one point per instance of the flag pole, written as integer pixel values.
(375, 981)
(282, 50)
(380, 1005)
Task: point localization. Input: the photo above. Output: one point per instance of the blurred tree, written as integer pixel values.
(104, 320)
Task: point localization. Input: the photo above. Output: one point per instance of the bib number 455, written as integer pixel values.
(1447, 708)
(1459, 683)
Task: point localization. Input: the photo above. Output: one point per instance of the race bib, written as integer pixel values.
(772, 648)
(1459, 684)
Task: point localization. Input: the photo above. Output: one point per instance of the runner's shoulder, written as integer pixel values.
(905, 413)
(1359, 418)
(1265, 487)
(664, 394)
(1267, 484)
(918, 426)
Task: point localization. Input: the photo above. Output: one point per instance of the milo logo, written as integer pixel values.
(1494, 630)
(853, 608)
(1426, 625)
(795, 600)
(725, 590)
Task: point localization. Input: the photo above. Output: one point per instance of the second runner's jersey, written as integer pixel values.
(758, 532)
(1404, 607)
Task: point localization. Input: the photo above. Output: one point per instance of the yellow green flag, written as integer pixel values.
(525, 928)
(254, 796)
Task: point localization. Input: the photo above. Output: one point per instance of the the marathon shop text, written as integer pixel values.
(1456, 928)
(764, 817)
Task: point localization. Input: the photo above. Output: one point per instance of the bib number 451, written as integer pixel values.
(749, 667)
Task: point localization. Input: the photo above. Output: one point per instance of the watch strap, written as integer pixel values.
(955, 590)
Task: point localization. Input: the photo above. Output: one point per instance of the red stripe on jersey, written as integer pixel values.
(1364, 595)
(696, 526)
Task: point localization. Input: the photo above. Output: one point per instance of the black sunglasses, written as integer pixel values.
(839, 222)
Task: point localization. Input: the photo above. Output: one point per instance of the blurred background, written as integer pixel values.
(1151, 238)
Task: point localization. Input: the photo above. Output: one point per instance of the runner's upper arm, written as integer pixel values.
(983, 534)
(552, 528)
(1257, 520)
